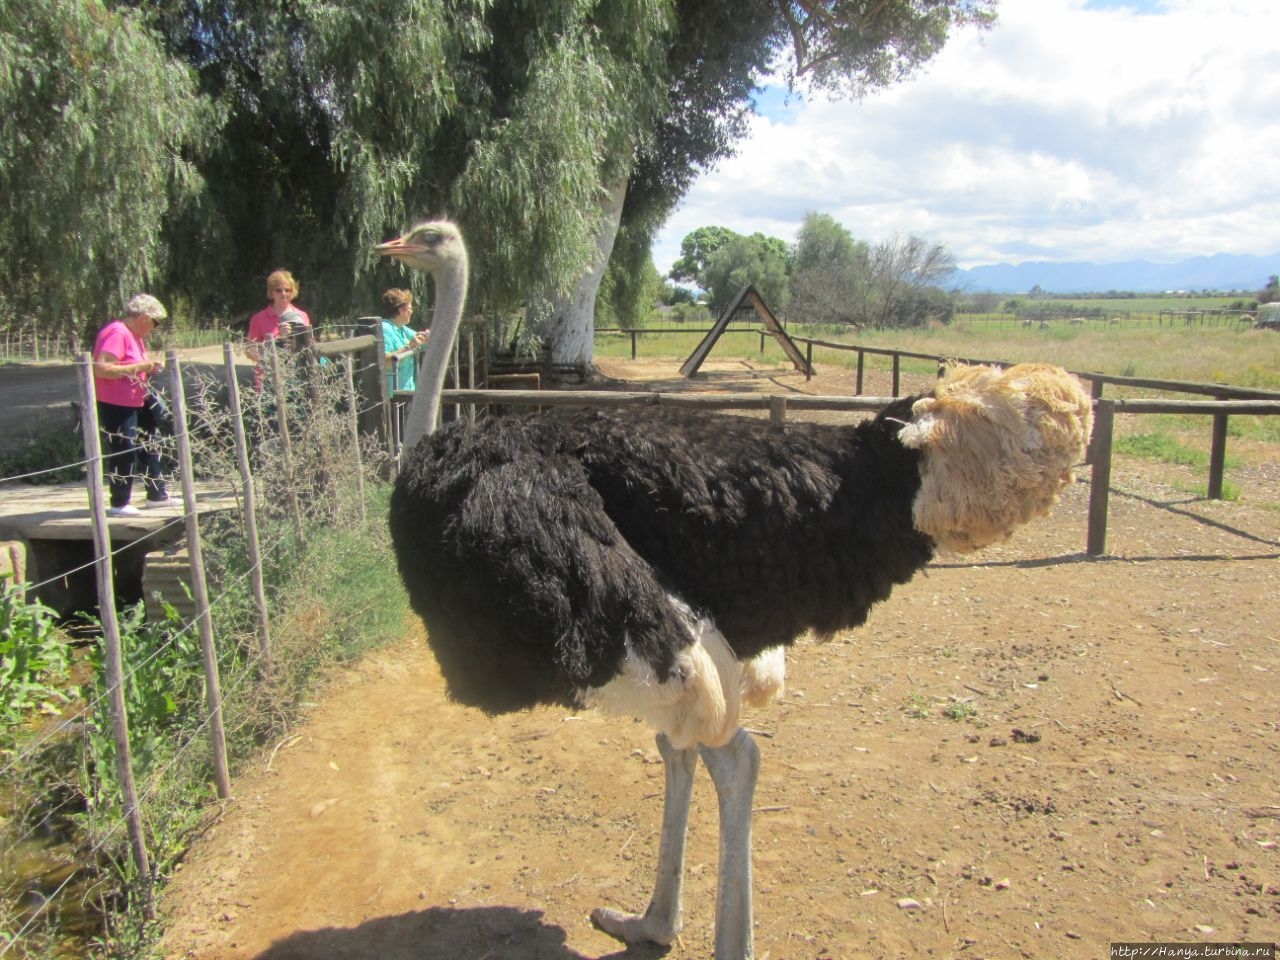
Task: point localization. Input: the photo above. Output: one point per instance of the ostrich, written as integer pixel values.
(657, 563)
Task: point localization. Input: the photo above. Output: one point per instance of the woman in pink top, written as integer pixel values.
(281, 320)
(131, 415)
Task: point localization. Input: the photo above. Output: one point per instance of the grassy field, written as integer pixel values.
(1234, 355)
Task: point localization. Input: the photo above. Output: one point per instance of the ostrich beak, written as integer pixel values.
(401, 249)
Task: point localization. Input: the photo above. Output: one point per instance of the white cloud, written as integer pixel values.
(1074, 130)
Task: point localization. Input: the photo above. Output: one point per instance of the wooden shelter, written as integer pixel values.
(747, 297)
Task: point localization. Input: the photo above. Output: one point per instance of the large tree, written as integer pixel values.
(96, 128)
(905, 273)
(844, 47)
(545, 128)
(758, 261)
(831, 276)
(348, 120)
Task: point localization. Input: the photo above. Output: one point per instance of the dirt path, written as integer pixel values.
(1023, 754)
(40, 395)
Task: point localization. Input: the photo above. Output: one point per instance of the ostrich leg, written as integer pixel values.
(661, 922)
(733, 769)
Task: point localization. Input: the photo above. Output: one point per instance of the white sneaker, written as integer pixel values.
(128, 510)
(166, 502)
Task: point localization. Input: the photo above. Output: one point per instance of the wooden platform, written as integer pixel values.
(61, 512)
(52, 528)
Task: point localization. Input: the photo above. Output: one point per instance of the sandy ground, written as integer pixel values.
(1025, 753)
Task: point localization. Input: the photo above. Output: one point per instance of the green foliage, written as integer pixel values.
(95, 128)
(163, 683)
(696, 251)
(916, 707)
(44, 455)
(757, 260)
(851, 50)
(34, 661)
(822, 241)
(631, 285)
(1162, 447)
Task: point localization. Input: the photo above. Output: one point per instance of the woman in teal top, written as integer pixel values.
(400, 344)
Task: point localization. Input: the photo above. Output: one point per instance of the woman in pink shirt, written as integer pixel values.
(129, 413)
(281, 320)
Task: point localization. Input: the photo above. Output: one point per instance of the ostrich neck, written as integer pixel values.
(451, 291)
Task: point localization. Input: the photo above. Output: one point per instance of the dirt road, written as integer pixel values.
(1025, 753)
(38, 396)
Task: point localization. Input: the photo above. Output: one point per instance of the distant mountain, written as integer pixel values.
(1221, 271)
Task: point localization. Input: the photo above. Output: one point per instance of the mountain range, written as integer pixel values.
(1221, 271)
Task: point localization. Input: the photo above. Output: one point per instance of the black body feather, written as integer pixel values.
(535, 548)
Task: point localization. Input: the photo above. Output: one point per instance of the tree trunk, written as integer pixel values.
(569, 331)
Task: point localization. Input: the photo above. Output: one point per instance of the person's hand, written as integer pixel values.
(420, 338)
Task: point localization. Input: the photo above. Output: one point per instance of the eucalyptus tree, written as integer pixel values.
(96, 125)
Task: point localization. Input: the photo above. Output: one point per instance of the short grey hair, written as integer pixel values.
(145, 305)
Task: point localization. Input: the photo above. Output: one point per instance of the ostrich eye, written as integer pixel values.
(430, 238)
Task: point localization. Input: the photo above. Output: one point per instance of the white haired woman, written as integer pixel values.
(130, 414)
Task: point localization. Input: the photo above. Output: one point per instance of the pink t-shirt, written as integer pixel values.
(265, 324)
(127, 347)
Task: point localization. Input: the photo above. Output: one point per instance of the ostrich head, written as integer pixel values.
(999, 447)
(436, 248)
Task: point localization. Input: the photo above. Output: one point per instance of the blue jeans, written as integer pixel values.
(132, 436)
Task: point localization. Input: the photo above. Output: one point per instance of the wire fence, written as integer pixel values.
(290, 459)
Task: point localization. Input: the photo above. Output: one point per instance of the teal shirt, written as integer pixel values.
(394, 338)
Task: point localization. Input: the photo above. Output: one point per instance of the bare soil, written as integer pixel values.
(1025, 753)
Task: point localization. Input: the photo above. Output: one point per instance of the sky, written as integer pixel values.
(1089, 130)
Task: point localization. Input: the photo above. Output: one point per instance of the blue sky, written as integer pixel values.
(1098, 130)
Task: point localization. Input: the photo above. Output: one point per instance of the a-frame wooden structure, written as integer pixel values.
(748, 295)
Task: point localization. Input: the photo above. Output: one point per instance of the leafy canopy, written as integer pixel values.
(97, 126)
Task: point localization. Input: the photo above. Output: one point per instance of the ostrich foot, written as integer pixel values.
(634, 927)
(662, 921)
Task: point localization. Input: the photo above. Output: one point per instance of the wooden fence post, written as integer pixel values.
(348, 367)
(897, 367)
(199, 587)
(470, 409)
(1100, 482)
(1217, 455)
(250, 505)
(1095, 393)
(111, 628)
(857, 390)
(286, 446)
